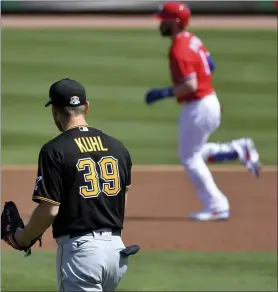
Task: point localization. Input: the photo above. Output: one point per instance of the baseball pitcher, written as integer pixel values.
(191, 67)
(81, 187)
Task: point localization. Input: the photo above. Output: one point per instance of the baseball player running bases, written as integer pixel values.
(81, 187)
(191, 67)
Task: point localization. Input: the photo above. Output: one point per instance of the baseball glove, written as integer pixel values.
(10, 221)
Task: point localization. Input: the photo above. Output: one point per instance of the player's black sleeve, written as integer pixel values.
(48, 186)
(129, 167)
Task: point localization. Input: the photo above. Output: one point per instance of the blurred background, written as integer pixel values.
(117, 66)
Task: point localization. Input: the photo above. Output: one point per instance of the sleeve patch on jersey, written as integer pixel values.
(38, 179)
(38, 198)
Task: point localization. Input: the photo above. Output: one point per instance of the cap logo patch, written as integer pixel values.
(74, 100)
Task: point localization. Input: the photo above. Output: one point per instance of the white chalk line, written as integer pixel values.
(153, 168)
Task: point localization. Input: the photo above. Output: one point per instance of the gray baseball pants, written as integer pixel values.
(90, 263)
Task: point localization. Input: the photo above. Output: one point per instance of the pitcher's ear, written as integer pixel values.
(86, 107)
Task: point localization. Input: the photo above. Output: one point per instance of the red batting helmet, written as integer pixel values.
(174, 11)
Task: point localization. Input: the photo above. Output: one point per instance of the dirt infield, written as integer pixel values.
(112, 22)
(161, 198)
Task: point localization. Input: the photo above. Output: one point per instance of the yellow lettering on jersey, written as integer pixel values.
(81, 147)
(90, 144)
(101, 145)
(94, 143)
(85, 144)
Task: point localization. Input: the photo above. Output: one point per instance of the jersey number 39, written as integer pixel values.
(109, 175)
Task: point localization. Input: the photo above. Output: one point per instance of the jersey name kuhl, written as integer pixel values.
(86, 173)
(187, 59)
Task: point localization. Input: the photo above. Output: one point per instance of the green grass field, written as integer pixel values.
(117, 67)
(156, 271)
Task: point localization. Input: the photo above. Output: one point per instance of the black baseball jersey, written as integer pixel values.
(86, 173)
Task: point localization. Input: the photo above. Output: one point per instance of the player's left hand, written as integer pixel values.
(156, 94)
(153, 95)
(12, 226)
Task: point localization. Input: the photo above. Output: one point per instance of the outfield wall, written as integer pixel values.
(136, 6)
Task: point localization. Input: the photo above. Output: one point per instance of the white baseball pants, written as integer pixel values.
(198, 120)
(90, 263)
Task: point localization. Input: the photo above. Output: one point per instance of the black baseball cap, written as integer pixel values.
(67, 92)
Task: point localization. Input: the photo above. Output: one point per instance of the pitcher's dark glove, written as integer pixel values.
(10, 222)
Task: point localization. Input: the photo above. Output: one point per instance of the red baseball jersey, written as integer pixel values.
(187, 59)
